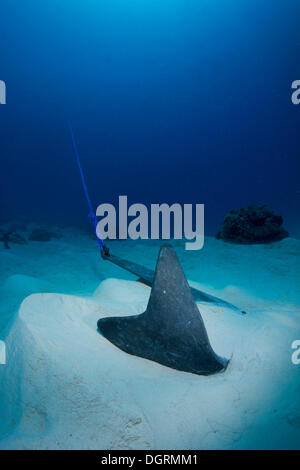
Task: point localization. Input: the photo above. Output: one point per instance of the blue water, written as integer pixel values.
(171, 101)
(184, 101)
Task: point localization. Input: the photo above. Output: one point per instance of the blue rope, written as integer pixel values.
(92, 216)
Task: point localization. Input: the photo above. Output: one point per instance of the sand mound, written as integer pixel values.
(66, 387)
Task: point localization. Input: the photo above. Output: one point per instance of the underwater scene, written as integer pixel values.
(149, 225)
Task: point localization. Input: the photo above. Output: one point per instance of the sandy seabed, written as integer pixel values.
(66, 387)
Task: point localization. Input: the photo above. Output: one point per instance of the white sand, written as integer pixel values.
(64, 386)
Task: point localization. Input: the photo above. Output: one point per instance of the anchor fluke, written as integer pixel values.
(171, 331)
